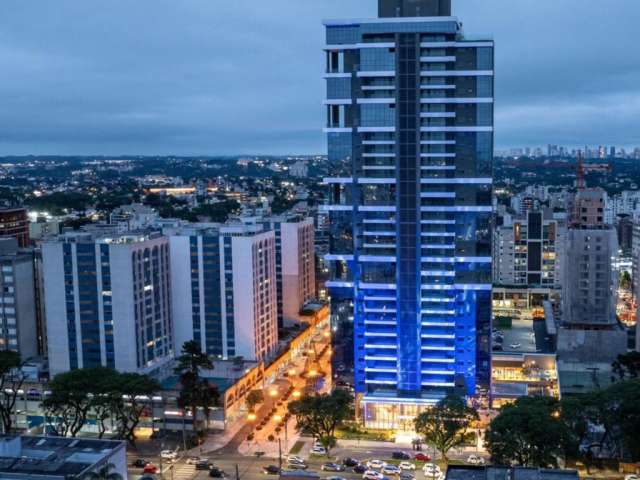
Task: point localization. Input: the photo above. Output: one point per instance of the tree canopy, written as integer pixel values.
(446, 424)
(196, 392)
(530, 432)
(320, 415)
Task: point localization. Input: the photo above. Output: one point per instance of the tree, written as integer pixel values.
(530, 433)
(320, 415)
(69, 402)
(196, 392)
(626, 366)
(254, 397)
(11, 380)
(446, 424)
(129, 409)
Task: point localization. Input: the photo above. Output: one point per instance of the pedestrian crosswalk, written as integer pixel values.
(182, 472)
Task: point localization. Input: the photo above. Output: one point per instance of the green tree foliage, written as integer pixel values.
(254, 397)
(626, 366)
(320, 415)
(530, 432)
(129, 409)
(196, 392)
(105, 394)
(60, 202)
(446, 424)
(11, 380)
(69, 402)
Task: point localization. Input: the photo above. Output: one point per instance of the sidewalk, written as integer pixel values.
(271, 449)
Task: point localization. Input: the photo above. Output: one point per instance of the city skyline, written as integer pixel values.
(103, 86)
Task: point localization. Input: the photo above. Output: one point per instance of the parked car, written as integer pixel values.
(271, 470)
(375, 464)
(334, 477)
(295, 458)
(422, 457)
(407, 476)
(631, 476)
(296, 465)
(203, 465)
(475, 460)
(150, 468)
(318, 450)
(360, 468)
(332, 467)
(168, 454)
(406, 466)
(195, 460)
(350, 462)
(400, 456)
(390, 469)
(139, 463)
(216, 472)
(372, 475)
(431, 469)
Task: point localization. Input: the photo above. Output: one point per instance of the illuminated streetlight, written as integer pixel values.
(251, 417)
(296, 394)
(273, 393)
(292, 371)
(277, 418)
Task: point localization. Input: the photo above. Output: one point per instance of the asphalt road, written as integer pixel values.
(250, 468)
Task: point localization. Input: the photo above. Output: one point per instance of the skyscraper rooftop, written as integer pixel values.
(414, 8)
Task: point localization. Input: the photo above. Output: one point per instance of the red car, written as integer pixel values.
(422, 457)
(150, 468)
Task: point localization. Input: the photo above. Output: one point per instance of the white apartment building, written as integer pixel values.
(108, 302)
(224, 289)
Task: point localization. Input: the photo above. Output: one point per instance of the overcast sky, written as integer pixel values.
(245, 76)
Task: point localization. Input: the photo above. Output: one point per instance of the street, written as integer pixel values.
(250, 467)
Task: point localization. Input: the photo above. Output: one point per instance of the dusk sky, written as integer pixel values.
(212, 77)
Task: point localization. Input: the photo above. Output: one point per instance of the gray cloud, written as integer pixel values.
(244, 76)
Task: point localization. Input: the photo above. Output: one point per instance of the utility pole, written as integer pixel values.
(237, 472)
(279, 453)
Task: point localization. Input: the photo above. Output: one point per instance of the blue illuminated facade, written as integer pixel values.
(410, 142)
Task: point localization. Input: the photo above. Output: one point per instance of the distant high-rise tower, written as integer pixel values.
(410, 132)
(414, 8)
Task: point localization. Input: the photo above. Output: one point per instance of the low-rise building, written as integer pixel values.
(57, 458)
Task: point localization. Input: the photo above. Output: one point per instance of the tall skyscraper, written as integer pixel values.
(107, 302)
(410, 142)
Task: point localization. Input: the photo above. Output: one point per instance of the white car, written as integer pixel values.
(372, 475)
(295, 458)
(168, 454)
(407, 466)
(195, 460)
(475, 460)
(389, 469)
(318, 450)
(631, 477)
(431, 469)
(515, 346)
(375, 464)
